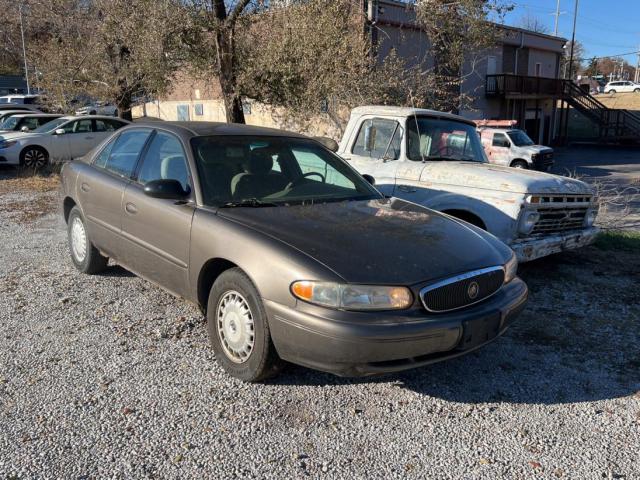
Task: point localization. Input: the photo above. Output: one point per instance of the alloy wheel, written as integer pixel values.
(34, 158)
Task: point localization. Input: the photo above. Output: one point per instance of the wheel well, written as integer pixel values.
(67, 205)
(468, 217)
(519, 160)
(208, 275)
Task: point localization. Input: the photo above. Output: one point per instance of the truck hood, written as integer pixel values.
(495, 177)
(388, 242)
(534, 149)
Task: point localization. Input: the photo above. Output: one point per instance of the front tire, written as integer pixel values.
(637, 90)
(612, 92)
(34, 158)
(238, 328)
(520, 164)
(84, 255)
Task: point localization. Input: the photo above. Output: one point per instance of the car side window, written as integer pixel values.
(500, 140)
(79, 126)
(115, 124)
(125, 152)
(104, 126)
(378, 138)
(165, 160)
(103, 156)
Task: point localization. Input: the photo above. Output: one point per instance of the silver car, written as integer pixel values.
(62, 139)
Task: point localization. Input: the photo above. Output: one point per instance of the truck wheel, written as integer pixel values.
(612, 92)
(84, 255)
(238, 328)
(520, 164)
(34, 158)
(637, 90)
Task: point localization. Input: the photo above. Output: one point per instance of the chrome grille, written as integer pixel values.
(462, 290)
(561, 213)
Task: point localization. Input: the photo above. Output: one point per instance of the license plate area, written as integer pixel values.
(479, 331)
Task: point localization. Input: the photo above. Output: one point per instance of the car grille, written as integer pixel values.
(561, 213)
(462, 290)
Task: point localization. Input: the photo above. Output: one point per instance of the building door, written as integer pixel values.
(492, 65)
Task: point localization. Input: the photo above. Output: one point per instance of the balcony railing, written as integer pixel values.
(508, 84)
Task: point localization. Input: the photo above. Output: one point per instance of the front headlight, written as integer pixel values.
(528, 221)
(511, 268)
(7, 143)
(590, 217)
(352, 297)
(535, 156)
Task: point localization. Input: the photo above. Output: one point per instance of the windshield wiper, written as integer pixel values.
(250, 202)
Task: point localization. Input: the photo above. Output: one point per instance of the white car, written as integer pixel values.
(622, 87)
(62, 139)
(98, 108)
(25, 122)
(20, 99)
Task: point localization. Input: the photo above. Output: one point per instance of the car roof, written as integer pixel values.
(192, 128)
(22, 114)
(91, 117)
(407, 112)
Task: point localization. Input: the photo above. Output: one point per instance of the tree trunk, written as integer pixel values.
(227, 75)
(124, 101)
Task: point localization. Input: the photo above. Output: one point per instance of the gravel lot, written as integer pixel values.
(110, 377)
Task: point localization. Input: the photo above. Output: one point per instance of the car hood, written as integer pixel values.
(505, 179)
(377, 241)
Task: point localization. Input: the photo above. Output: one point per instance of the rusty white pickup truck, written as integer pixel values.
(436, 159)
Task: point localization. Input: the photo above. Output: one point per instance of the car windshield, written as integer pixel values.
(9, 123)
(50, 126)
(256, 171)
(519, 138)
(440, 139)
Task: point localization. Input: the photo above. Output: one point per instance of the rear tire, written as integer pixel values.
(612, 92)
(238, 328)
(520, 164)
(637, 90)
(84, 255)
(35, 158)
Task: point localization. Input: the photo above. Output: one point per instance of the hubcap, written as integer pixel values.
(235, 326)
(78, 240)
(35, 158)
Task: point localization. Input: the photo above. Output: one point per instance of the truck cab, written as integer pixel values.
(512, 147)
(437, 160)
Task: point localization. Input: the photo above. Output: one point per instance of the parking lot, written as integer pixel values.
(109, 376)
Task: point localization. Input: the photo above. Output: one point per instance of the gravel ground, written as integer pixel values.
(111, 377)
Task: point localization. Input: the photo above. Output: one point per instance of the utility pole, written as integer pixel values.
(555, 30)
(636, 79)
(573, 41)
(24, 50)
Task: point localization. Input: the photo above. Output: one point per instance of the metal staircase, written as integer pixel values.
(615, 125)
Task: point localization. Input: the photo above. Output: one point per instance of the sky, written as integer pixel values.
(604, 27)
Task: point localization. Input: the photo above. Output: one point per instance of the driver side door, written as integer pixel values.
(376, 151)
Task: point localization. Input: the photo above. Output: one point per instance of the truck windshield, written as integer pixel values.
(519, 138)
(432, 138)
(254, 171)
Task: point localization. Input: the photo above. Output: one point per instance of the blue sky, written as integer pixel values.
(605, 27)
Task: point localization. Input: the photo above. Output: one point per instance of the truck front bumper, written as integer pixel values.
(529, 249)
(358, 344)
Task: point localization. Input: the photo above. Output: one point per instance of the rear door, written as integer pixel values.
(80, 136)
(101, 189)
(156, 232)
(375, 151)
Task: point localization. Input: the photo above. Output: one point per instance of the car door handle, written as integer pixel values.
(131, 208)
(406, 188)
(85, 187)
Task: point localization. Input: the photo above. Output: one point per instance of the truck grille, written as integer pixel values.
(561, 213)
(462, 290)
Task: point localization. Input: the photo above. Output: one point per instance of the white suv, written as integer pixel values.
(622, 87)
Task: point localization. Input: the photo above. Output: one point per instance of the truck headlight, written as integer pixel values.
(511, 268)
(352, 297)
(535, 156)
(590, 217)
(528, 221)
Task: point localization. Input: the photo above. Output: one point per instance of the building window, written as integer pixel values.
(183, 113)
(199, 109)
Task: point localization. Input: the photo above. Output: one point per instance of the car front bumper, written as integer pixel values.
(359, 344)
(529, 249)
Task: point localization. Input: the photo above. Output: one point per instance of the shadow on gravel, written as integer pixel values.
(116, 271)
(577, 341)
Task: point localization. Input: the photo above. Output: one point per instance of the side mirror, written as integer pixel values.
(369, 138)
(369, 178)
(329, 143)
(59, 131)
(24, 129)
(166, 189)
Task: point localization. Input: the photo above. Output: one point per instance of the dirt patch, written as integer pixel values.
(27, 197)
(23, 182)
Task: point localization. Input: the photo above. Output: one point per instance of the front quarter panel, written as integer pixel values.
(271, 264)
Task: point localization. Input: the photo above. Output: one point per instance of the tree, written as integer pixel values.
(110, 49)
(533, 23)
(459, 32)
(578, 55)
(212, 46)
(592, 68)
